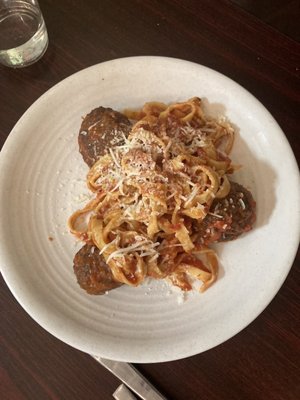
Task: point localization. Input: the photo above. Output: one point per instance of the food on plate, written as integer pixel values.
(101, 128)
(229, 217)
(92, 272)
(162, 195)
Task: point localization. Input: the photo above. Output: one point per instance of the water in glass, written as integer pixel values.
(23, 34)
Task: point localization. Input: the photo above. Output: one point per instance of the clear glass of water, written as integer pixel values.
(23, 33)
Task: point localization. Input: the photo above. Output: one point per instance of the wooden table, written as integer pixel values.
(263, 360)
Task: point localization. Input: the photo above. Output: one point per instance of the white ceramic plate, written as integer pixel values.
(42, 176)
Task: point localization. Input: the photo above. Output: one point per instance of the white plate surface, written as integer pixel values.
(43, 176)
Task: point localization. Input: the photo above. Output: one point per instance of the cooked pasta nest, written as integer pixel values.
(150, 192)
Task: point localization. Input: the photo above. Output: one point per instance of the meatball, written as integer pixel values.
(92, 272)
(100, 129)
(229, 217)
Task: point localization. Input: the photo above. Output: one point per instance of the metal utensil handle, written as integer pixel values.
(122, 393)
(132, 378)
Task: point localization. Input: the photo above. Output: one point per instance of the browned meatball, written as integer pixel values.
(100, 129)
(229, 217)
(92, 273)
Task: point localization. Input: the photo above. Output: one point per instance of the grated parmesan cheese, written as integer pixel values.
(242, 204)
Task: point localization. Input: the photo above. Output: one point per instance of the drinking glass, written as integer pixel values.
(23, 33)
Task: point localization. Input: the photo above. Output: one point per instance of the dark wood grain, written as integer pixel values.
(283, 16)
(261, 361)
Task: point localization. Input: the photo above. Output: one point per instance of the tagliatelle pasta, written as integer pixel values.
(152, 192)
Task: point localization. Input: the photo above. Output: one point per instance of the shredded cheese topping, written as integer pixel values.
(151, 190)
